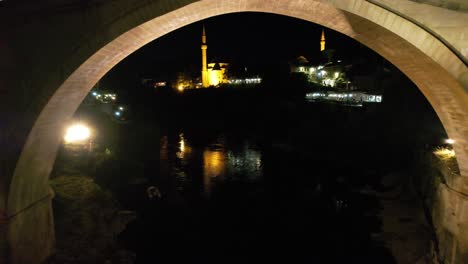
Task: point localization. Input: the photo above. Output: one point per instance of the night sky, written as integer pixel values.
(257, 41)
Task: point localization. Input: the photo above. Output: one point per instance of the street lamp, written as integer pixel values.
(77, 133)
(450, 141)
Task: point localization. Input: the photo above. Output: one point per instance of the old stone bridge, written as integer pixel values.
(53, 52)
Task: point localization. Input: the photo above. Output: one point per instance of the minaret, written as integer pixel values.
(204, 71)
(322, 41)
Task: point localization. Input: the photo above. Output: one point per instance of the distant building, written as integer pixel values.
(213, 73)
(355, 98)
(183, 82)
(152, 83)
(217, 73)
(322, 41)
(300, 65)
(337, 75)
(160, 84)
(329, 74)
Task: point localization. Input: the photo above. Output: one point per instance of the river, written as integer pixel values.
(256, 183)
(241, 177)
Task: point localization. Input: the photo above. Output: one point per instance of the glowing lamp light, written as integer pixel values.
(77, 133)
(117, 113)
(180, 87)
(444, 153)
(449, 141)
(94, 93)
(121, 108)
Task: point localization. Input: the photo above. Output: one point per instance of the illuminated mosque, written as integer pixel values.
(213, 73)
(330, 74)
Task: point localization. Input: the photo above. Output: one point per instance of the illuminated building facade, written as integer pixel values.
(214, 73)
(183, 81)
(330, 74)
(322, 41)
(217, 73)
(204, 48)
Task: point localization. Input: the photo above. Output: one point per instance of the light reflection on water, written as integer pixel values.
(251, 192)
(218, 160)
(214, 167)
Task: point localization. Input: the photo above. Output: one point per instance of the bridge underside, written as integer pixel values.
(64, 60)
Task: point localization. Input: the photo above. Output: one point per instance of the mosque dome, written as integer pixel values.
(301, 60)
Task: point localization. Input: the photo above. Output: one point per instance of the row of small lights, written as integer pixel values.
(97, 95)
(248, 80)
(334, 95)
(320, 73)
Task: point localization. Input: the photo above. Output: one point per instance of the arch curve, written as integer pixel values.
(436, 71)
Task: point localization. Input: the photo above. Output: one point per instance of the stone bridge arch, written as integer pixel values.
(73, 63)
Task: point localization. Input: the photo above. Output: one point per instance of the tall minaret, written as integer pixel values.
(322, 41)
(204, 71)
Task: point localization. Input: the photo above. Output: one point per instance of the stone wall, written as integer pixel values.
(446, 207)
(53, 53)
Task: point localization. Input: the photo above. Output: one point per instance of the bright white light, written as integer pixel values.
(77, 133)
(450, 141)
(182, 143)
(337, 74)
(121, 108)
(94, 93)
(329, 82)
(117, 113)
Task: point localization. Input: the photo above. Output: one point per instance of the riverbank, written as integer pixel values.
(405, 230)
(87, 220)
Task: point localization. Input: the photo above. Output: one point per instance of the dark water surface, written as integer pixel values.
(255, 182)
(237, 176)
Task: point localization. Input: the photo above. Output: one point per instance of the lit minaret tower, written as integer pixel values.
(322, 41)
(204, 47)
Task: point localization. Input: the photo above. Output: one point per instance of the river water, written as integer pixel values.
(240, 177)
(270, 181)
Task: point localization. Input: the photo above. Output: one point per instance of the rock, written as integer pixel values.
(120, 221)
